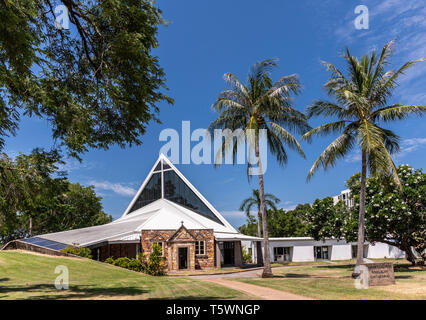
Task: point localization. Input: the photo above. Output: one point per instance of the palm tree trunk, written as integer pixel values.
(259, 225)
(267, 271)
(361, 218)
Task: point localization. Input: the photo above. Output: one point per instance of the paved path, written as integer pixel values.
(241, 274)
(258, 291)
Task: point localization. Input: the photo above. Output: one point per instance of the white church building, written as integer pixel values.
(168, 210)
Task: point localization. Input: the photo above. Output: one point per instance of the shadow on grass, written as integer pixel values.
(337, 266)
(74, 292)
(4, 279)
(403, 277)
(49, 292)
(196, 298)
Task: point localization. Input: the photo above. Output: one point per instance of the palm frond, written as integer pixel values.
(336, 150)
(397, 112)
(287, 138)
(325, 108)
(325, 129)
(381, 164)
(385, 86)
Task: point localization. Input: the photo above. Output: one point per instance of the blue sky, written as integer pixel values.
(204, 40)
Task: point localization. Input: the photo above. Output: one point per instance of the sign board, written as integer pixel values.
(377, 274)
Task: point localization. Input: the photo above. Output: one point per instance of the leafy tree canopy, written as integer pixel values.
(393, 215)
(96, 84)
(282, 223)
(37, 198)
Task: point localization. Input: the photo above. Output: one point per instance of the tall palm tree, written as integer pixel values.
(362, 104)
(261, 104)
(254, 201)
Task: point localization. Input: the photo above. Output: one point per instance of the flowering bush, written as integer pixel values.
(394, 215)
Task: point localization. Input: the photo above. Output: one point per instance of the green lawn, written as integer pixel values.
(31, 276)
(333, 281)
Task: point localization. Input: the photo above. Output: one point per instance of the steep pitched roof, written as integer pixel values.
(165, 181)
(160, 214)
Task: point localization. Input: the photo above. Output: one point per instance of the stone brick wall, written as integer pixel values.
(174, 239)
(207, 260)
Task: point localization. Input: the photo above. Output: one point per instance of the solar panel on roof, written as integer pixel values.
(46, 243)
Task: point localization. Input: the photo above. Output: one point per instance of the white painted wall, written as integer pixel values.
(302, 249)
(382, 250)
(341, 251)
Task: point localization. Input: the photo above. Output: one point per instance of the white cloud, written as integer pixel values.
(73, 165)
(117, 188)
(410, 145)
(354, 157)
(403, 21)
(233, 214)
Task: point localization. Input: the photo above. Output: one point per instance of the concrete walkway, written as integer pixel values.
(254, 290)
(258, 291)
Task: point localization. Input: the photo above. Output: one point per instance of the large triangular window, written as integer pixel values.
(175, 189)
(150, 193)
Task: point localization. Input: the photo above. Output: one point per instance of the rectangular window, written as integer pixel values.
(322, 253)
(282, 254)
(200, 247)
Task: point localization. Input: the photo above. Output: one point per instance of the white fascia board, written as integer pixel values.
(208, 204)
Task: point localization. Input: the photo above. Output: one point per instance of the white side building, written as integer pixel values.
(346, 197)
(304, 249)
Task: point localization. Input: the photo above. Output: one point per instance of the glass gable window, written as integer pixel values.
(177, 191)
(150, 193)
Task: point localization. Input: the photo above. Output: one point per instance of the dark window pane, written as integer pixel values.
(158, 167)
(177, 191)
(150, 193)
(165, 166)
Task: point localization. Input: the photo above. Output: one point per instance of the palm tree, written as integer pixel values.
(254, 201)
(258, 105)
(362, 103)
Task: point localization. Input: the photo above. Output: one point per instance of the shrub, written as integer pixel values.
(247, 258)
(135, 265)
(131, 264)
(79, 251)
(109, 260)
(155, 265)
(122, 262)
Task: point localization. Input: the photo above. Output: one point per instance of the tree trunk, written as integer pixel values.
(409, 252)
(259, 225)
(267, 271)
(361, 218)
(258, 243)
(31, 226)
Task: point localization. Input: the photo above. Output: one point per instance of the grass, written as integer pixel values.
(31, 276)
(333, 281)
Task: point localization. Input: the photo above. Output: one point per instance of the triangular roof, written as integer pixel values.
(182, 234)
(162, 167)
(161, 214)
